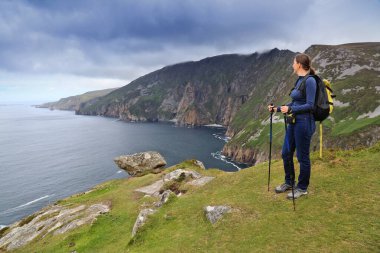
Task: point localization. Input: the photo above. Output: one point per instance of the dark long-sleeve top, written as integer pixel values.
(300, 103)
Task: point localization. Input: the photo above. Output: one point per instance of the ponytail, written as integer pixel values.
(305, 62)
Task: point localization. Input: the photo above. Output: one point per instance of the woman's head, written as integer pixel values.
(302, 63)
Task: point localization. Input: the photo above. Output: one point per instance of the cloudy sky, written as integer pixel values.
(51, 49)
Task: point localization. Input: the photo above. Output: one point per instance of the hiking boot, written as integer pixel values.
(297, 193)
(282, 188)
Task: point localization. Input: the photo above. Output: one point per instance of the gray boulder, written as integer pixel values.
(140, 164)
(215, 213)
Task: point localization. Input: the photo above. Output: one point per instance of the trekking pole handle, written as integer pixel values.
(286, 112)
(272, 110)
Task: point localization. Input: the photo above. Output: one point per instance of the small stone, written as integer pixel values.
(199, 164)
(215, 213)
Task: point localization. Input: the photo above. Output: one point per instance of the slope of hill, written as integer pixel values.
(354, 71)
(72, 103)
(340, 214)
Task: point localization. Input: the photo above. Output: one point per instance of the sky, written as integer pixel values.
(52, 49)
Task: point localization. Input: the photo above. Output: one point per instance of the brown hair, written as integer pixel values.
(305, 62)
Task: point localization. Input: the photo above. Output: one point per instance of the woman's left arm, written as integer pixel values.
(311, 88)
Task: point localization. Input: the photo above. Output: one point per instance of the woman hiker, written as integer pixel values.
(300, 128)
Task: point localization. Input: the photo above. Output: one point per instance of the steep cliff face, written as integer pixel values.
(194, 93)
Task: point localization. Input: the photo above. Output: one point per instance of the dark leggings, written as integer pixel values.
(298, 137)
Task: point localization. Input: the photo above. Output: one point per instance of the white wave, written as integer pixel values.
(120, 171)
(214, 125)
(2, 226)
(223, 138)
(24, 205)
(34, 201)
(217, 155)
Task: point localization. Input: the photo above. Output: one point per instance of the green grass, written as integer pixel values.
(340, 214)
(350, 126)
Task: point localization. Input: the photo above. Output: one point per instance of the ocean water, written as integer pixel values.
(49, 155)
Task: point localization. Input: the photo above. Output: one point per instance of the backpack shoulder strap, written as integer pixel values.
(301, 87)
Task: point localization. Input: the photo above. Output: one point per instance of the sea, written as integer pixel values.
(47, 155)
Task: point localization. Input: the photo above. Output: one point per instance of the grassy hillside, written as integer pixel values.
(341, 213)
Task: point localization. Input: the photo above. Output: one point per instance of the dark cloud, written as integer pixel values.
(122, 38)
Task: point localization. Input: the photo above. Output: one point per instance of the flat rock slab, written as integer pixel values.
(201, 181)
(152, 189)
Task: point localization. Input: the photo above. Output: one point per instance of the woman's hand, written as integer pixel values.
(284, 109)
(271, 108)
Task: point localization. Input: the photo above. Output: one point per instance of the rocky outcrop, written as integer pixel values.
(168, 186)
(188, 176)
(54, 220)
(140, 164)
(215, 213)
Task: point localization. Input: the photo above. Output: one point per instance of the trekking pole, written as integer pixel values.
(270, 143)
(292, 175)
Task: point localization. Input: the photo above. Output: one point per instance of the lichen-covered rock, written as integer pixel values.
(191, 177)
(53, 219)
(215, 213)
(140, 164)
